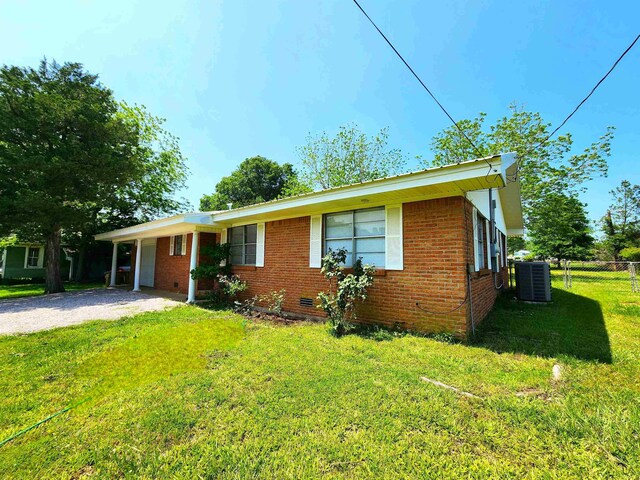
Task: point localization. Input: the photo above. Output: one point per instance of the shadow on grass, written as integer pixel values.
(571, 325)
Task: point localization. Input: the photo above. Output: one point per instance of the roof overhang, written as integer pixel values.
(510, 197)
(497, 171)
(439, 182)
(164, 227)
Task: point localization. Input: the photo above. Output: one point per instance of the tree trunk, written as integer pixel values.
(82, 254)
(53, 280)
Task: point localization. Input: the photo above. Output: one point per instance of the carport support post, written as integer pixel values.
(136, 278)
(114, 265)
(191, 297)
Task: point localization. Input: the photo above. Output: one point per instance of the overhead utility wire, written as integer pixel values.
(591, 92)
(480, 154)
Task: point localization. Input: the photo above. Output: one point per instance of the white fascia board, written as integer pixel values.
(449, 173)
(182, 223)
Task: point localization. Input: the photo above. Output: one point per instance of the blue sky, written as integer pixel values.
(241, 78)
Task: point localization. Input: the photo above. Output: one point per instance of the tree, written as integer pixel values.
(257, 179)
(544, 166)
(69, 153)
(621, 223)
(349, 157)
(559, 228)
(515, 243)
(144, 198)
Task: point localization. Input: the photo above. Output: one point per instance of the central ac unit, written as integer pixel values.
(533, 281)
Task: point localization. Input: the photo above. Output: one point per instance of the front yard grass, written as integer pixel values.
(34, 289)
(191, 393)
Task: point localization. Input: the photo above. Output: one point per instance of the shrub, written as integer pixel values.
(231, 285)
(274, 300)
(345, 290)
(630, 254)
(216, 262)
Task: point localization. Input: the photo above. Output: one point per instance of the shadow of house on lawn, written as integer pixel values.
(572, 325)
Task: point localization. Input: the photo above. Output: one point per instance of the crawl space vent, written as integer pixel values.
(306, 302)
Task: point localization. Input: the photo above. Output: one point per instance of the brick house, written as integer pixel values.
(440, 264)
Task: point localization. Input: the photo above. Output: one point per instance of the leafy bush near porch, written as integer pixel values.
(217, 267)
(345, 290)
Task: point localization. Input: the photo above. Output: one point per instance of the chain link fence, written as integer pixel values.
(619, 276)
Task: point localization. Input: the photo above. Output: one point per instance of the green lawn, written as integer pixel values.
(30, 290)
(191, 393)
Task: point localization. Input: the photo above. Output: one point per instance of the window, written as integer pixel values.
(243, 242)
(480, 241)
(360, 232)
(33, 258)
(178, 245)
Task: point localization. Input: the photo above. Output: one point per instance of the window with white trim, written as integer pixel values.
(178, 245)
(33, 257)
(243, 242)
(360, 232)
(481, 232)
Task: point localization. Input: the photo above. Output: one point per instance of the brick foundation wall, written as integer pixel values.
(434, 270)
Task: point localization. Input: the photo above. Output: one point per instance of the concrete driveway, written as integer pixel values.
(31, 314)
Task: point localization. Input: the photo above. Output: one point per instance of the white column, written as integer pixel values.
(136, 278)
(191, 297)
(71, 268)
(114, 265)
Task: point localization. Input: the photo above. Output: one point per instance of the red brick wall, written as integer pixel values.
(434, 270)
(172, 269)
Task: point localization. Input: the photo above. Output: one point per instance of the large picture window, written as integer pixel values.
(360, 232)
(243, 242)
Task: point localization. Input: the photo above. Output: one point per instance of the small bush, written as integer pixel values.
(630, 254)
(231, 285)
(274, 300)
(345, 290)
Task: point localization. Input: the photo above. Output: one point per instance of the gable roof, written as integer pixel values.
(497, 171)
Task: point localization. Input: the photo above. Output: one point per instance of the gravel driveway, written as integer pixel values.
(31, 314)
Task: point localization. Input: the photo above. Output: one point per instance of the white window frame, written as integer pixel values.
(183, 246)
(477, 248)
(353, 236)
(40, 257)
(245, 243)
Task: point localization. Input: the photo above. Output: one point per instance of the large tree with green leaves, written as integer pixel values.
(545, 166)
(621, 223)
(147, 196)
(350, 156)
(559, 228)
(256, 179)
(70, 154)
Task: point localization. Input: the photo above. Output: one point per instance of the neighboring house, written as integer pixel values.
(24, 261)
(428, 233)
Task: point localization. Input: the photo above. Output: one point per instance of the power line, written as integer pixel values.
(480, 154)
(591, 92)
